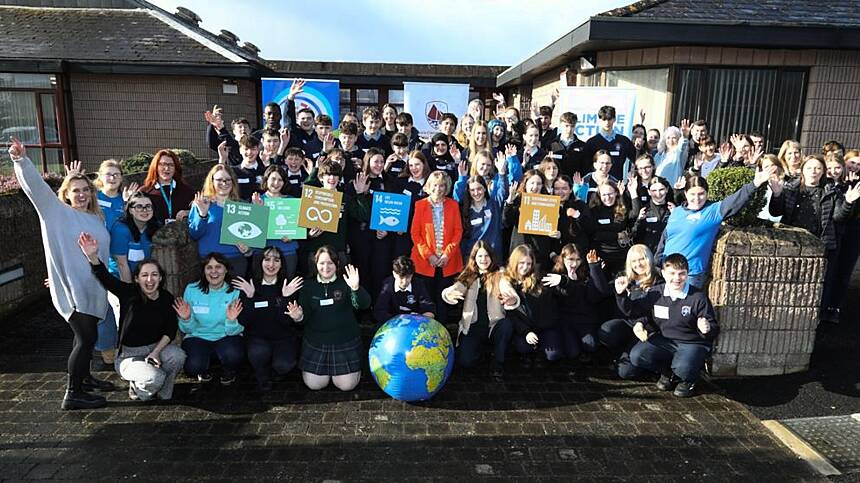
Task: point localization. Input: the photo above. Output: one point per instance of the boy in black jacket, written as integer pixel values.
(678, 335)
(620, 147)
(402, 293)
(566, 147)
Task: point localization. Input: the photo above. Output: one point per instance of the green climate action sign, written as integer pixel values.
(244, 223)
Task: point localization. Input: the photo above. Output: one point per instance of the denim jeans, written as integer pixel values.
(659, 354)
(229, 349)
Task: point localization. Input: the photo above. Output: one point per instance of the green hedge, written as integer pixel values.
(723, 182)
(140, 162)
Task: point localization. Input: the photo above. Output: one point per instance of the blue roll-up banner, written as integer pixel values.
(320, 96)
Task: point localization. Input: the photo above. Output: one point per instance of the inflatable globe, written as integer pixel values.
(411, 357)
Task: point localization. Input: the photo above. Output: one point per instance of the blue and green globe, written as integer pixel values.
(411, 357)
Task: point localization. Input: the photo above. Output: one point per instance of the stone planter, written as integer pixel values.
(177, 253)
(766, 287)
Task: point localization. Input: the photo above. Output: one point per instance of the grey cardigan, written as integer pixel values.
(74, 288)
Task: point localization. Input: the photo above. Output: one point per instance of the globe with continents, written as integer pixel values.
(411, 357)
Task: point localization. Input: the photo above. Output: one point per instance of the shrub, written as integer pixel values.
(725, 181)
(139, 163)
(9, 183)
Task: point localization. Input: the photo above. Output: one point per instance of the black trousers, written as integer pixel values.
(85, 329)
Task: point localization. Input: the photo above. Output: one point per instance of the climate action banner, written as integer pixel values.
(586, 101)
(427, 101)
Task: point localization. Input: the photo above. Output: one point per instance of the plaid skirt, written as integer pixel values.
(331, 359)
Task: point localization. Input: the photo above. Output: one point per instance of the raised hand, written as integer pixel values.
(775, 186)
(285, 137)
(755, 156)
(510, 150)
(234, 309)
(296, 89)
(501, 163)
(74, 168)
(642, 116)
(455, 152)
(532, 339)
(726, 152)
(294, 310)
(680, 183)
(763, 175)
(361, 183)
(17, 149)
(592, 256)
(456, 295)
(89, 246)
(514, 192)
(572, 212)
(853, 193)
(243, 249)
(309, 164)
(350, 276)
(223, 152)
(328, 142)
(703, 325)
(246, 286)
(621, 284)
(685, 127)
(621, 187)
(183, 310)
(129, 190)
(498, 97)
(202, 203)
(551, 280)
(214, 117)
(642, 213)
(294, 286)
(463, 168)
(577, 178)
(257, 199)
(640, 332)
(670, 205)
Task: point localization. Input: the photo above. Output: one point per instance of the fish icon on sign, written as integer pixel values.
(388, 220)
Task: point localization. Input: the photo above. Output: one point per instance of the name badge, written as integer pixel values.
(555, 156)
(294, 181)
(261, 304)
(395, 169)
(661, 312)
(577, 149)
(200, 309)
(441, 167)
(169, 221)
(136, 255)
(651, 219)
(259, 179)
(407, 192)
(324, 302)
(604, 221)
(643, 198)
(614, 153)
(476, 221)
(244, 180)
(104, 203)
(405, 309)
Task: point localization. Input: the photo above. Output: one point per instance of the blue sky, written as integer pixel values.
(503, 32)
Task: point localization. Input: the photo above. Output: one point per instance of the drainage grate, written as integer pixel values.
(837, 438)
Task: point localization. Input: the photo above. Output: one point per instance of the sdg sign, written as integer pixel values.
(320, 208)
(390, 212)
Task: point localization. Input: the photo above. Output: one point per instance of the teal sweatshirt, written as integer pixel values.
(209, 313)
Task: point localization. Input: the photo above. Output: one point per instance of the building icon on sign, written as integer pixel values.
(538, 222)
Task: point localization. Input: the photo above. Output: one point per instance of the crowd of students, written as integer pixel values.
(624, 273)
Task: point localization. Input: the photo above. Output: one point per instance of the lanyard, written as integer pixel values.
(168, 200)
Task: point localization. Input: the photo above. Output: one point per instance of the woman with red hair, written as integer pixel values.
(171, 197)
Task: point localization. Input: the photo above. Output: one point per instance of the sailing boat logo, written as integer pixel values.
(433, 111)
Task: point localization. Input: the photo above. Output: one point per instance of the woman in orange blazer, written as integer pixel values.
(437, 259)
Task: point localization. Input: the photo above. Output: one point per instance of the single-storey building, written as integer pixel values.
(785, 68)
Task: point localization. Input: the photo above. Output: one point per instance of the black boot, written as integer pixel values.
(90, 383)
(77, 398)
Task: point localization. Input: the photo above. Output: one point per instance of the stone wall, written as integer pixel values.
(766, 287)
(21, 246)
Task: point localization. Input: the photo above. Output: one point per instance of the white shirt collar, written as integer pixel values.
(407, 289)
(264, 282)
(673, 294)
(321, 280)
(172, 184)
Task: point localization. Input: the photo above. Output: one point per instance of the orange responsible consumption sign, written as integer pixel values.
(320, 208)
(538, 214)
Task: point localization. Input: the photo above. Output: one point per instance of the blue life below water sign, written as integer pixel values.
(390, 212)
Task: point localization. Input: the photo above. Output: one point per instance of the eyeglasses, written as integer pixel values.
(222, 180)
(166, 165)
(142, 207)
(112, 175)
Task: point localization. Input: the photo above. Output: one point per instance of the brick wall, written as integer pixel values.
(832, 109)
(116, 116)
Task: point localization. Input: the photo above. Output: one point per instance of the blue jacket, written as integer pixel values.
(692, 233)
(209, 313)
(207, 232)
(485, 224)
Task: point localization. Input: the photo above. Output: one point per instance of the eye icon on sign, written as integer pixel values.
(315, 214)
(245, 231)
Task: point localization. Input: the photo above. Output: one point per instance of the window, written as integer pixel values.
(395, 98)
(30, 112)
(345, 103)
(769, 101)
(651, 87)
